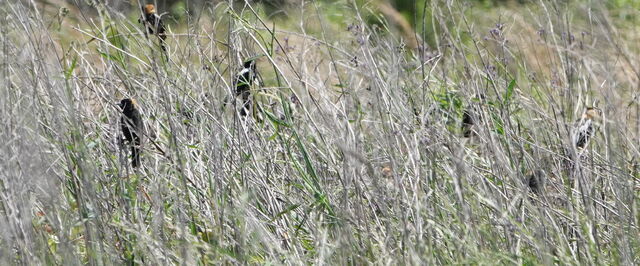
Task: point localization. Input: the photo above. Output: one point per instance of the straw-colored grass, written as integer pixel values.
(355, 156)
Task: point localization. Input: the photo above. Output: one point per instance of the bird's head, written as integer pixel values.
(149, 9)
(593, 113)
(127, 105)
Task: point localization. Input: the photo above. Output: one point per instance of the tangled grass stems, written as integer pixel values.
(355, 152)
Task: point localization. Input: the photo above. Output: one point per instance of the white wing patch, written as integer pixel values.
(244, 70)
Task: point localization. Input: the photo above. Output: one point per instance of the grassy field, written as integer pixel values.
(354, 153)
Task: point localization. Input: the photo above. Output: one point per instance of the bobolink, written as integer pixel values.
(467, 124)
(132, 128)
(153, 24)
(470, 116)
(536, 181)
(244, 79)
(586, 127)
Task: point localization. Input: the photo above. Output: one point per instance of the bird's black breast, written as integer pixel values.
(584, 134)
(467, 123)
(132, 125)
(154, 24)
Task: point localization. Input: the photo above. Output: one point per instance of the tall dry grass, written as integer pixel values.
(356, 156)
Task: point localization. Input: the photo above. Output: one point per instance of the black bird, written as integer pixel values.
(153, 24)
(585, 127)
(470, 117)
(536, 181)
(467, 124)
(244, 79)
(132, 128)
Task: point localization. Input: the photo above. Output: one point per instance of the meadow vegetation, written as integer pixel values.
(354, 153)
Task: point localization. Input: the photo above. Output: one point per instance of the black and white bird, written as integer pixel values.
(153, 24)
(243, 82)
(132, 128)
(586, 127)
(536, 181)
(467, 124)
(471, 117)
